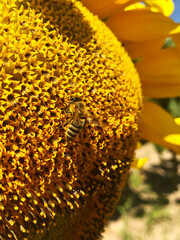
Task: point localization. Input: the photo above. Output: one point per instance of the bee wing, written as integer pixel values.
(93, 121)
(76, 118)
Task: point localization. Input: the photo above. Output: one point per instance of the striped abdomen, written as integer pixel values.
(74, 128)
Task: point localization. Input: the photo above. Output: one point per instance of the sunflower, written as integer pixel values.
(57, 53)
(143, 27)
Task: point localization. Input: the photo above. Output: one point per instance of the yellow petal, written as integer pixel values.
(161, 91)
(166, 7)
(105, 8)
(138, 145)
(141, 49)
(177, 121)
(140, 25)
(176, 39)
(160, 73)
(156, 125)
(139, 163)
(173, 138)
(176, 30)
(164, 62)
(135, 6)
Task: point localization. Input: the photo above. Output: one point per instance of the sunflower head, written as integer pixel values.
(51, 52)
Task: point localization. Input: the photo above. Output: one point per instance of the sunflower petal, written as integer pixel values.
(176, 30)
(161, 91)
(160, 73)
(164, 62)
(176, 39)
(134, 6)
(166, 7)
(139, 163)
(140, 25)
(156, 125)
(177, 121)
(141, 49)
(173, 138)
(106, 8)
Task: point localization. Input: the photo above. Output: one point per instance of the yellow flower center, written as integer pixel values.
(51, 52)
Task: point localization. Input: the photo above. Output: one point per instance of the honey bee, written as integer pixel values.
(77, 108)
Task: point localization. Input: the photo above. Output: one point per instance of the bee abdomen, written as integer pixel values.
(70, 135)
(72, 132)
(75, 129)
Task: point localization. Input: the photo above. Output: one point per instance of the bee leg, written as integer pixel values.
(66, 111)
(66, 123)
(63, 126)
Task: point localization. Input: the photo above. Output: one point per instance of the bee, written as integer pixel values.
(77, 108)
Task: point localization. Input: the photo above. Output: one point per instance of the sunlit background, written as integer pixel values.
(176, 14)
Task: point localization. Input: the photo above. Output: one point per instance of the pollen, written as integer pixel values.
(51, 51)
